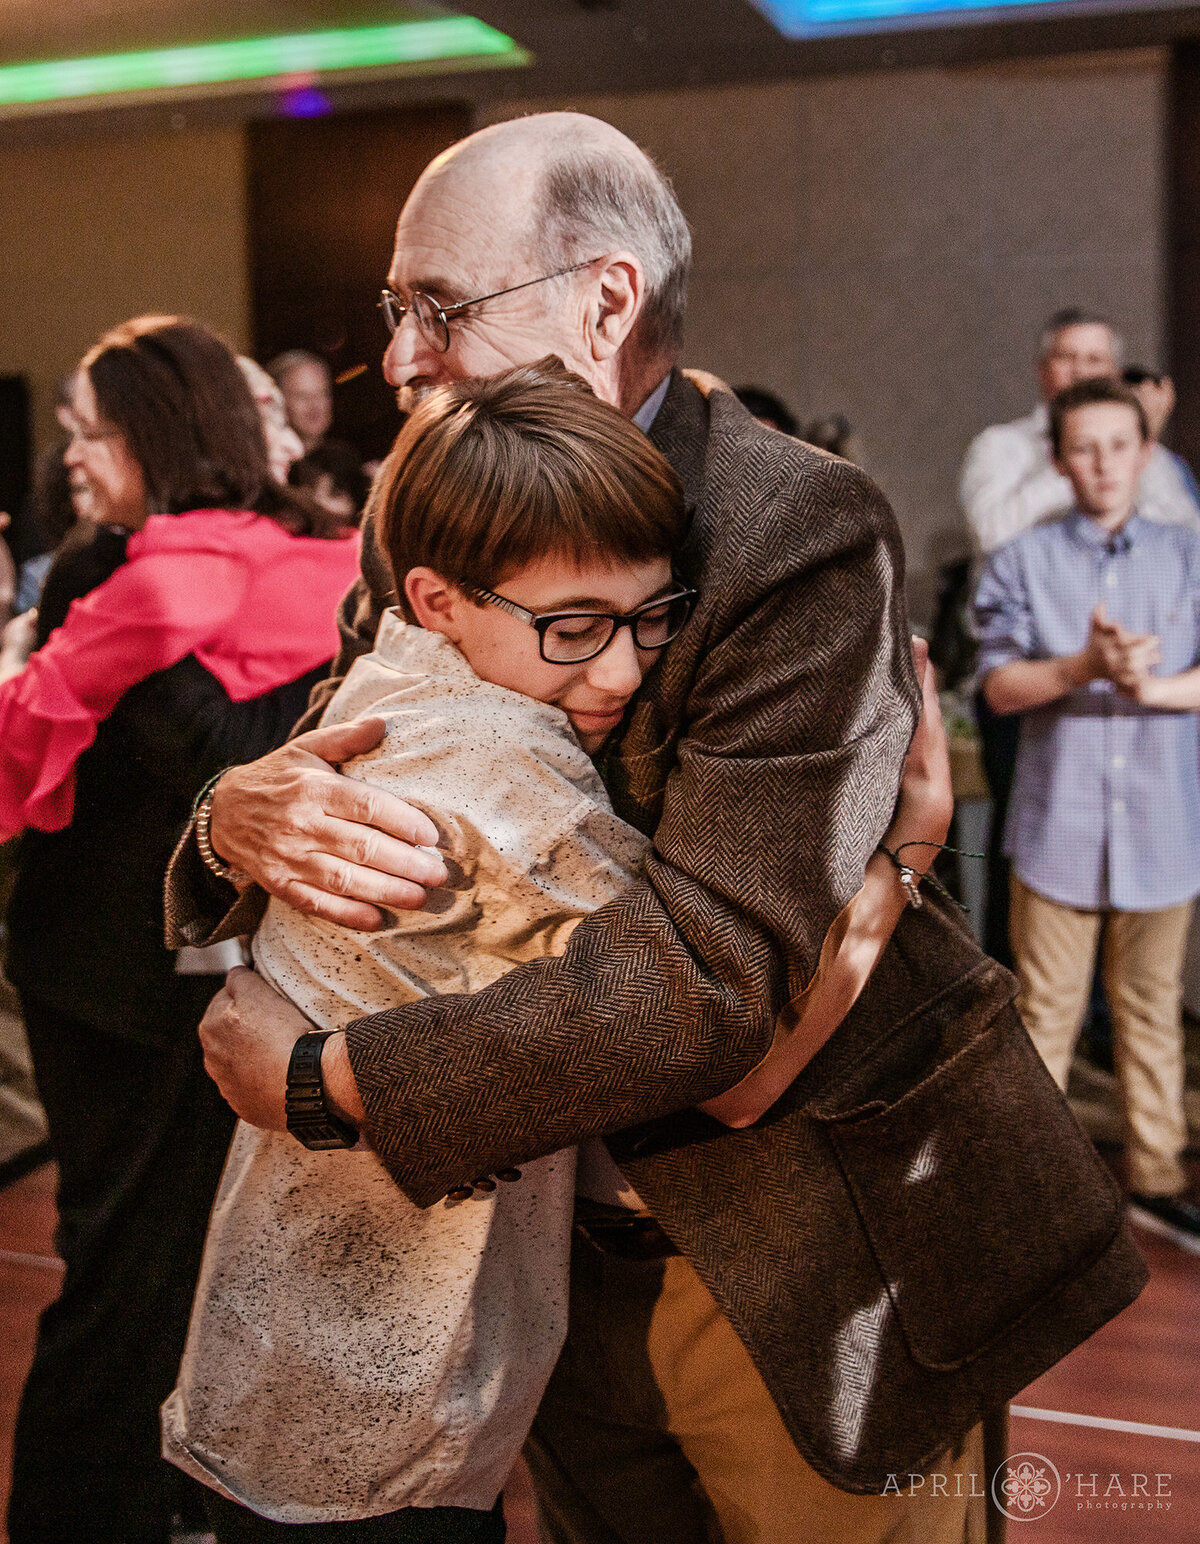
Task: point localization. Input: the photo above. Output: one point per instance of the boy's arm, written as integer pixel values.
(1110, 654)
(1180, 693)
(1014, 680)
(201, 909)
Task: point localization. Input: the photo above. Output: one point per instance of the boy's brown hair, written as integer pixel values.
(490, 474)
(1100, 388)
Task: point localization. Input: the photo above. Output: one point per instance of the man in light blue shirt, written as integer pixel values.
(1090, 628)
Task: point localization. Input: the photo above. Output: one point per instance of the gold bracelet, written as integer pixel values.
(208, 857)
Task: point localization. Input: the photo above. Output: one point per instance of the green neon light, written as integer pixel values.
(207, 64)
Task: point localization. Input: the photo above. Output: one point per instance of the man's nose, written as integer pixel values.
(618, 670)
(73, 454)
(407, 354)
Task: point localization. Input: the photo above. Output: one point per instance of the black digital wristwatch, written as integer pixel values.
(309, 1118)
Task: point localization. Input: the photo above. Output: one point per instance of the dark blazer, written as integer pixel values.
(847, 1234)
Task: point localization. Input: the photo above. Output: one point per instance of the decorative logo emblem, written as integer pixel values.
(1026, 1486)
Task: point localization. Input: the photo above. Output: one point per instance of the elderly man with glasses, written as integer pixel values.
(738, 1363)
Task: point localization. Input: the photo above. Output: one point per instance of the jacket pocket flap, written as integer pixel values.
(978, 1192)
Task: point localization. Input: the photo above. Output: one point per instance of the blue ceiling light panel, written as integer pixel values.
(824, 18)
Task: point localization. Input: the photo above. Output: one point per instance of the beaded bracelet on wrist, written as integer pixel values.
(202, 815)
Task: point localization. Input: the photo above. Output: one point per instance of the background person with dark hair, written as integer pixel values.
(333, 475)
(211, 597)
(1156, 392)
(767, 408)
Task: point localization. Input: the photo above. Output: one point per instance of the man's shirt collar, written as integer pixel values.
(648, 412)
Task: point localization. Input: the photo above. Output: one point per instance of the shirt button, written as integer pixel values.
(1118, 762)
(1111, 581)
(1118, 806)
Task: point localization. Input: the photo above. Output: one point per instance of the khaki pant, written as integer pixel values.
(1142, 953)
(657, 1429)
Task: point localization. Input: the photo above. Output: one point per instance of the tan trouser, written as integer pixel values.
(1054, 948)
(657, 1429)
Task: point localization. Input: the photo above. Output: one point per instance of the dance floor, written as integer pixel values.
(1114, 1429)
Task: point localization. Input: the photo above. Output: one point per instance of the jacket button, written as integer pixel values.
(509, 1176)
(459, 1193)
(484, 1184)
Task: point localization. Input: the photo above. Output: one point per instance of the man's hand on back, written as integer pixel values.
(328, 845)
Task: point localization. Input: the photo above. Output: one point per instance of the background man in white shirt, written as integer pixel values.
(1009, 481)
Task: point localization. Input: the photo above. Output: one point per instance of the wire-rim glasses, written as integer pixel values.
(433, 320)
(576, 636)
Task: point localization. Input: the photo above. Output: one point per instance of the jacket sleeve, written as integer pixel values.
(148, 615)
(796, 727)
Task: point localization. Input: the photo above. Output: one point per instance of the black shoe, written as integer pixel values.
(1177, 1218)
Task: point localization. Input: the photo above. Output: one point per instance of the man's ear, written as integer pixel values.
(434, 602)
(615, 304)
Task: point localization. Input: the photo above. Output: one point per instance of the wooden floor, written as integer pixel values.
(1113, 1486)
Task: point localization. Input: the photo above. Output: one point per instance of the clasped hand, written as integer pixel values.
(1124, 658)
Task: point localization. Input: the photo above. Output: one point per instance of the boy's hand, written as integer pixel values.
(925, 806)
(248, 1032)
(1112, 654)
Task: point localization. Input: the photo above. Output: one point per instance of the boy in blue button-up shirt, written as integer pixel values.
(1090, 628)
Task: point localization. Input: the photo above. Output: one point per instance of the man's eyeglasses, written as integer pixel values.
(433, 320)
(574, 637)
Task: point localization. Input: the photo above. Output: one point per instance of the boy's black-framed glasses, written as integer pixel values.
(433, 320)
(576, 636)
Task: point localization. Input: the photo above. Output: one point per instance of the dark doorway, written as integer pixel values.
(1183, 245)
(15, 451)
(324, 194)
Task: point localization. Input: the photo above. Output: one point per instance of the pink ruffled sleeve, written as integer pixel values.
(150, 614)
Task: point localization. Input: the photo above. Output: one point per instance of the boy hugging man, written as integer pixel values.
(1090, 628)
(351, 1357)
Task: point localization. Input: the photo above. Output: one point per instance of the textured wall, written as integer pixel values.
(884, 245)
(93, 232)
(887, 244)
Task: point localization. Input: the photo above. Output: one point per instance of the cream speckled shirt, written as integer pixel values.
(350, 1354)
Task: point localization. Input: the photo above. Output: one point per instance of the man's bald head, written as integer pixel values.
(570, 188)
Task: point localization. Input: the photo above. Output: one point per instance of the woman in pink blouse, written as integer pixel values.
(213, 616)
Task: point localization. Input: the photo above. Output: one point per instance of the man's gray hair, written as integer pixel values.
(283, 364)
(590, 203)
(1077, 316)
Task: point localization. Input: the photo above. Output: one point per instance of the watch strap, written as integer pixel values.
(309, 1118)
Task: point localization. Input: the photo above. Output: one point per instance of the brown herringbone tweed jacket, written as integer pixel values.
(918, 1228)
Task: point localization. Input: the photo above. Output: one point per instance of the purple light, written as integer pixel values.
(304, 102)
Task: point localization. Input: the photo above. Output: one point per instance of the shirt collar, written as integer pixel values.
(1085, 529)
(648, 412)
(407, 647)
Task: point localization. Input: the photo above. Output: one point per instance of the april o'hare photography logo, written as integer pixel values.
(1026, 1487)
